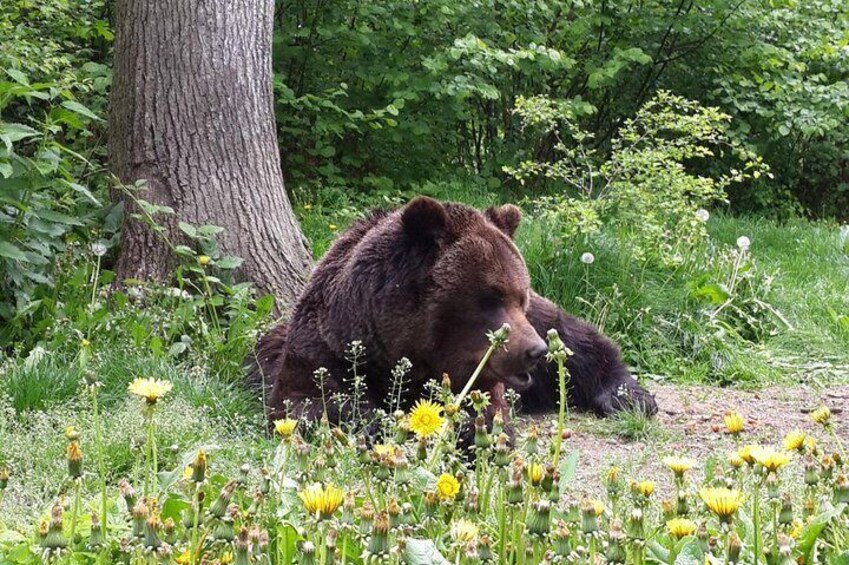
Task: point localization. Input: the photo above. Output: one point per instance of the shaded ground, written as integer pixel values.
(690, 422)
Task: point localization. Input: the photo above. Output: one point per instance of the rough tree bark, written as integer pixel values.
(192, 114)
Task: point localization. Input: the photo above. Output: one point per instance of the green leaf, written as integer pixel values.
(229, 262)
(84, 191)
(568, 467)
(690, 554)
(11, 251)
(6, 170)
(188, 229)
(57, 217)
(78, 108)
(18, 76)
(423, 552)
(11, 132)
(714, 292)
(808, 538)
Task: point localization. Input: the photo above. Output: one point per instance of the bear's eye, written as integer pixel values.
(492, 299)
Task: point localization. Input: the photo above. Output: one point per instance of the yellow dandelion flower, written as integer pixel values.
(150, 389)
(447, 486)
(597, 506)
(464, 531)
(383, 449)
(734, 422)
(426, 418)
(746, 453)
(204, 260)
(613, 473)
(794, 440)
(307, 206)
(811, 444)
(645, 488)
(680, 527)
(771, 459)
(285, 427)
(321, 501)
(331, 227)
(184, 558)
(821, 415)
(735, 460)
(188, 472)
(722, 501)
(796, 528)
(679, 465)
(535, 473)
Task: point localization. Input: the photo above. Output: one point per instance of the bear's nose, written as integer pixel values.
(535, 352)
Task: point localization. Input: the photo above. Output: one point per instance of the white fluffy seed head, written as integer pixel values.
(587, 258)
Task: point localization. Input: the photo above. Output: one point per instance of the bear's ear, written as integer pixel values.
(424, 220)
(506, 218)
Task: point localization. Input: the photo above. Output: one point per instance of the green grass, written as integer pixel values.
(647, 309)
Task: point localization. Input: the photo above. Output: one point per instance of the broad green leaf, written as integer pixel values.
(423, 552)
(568, 467)
(80, 109)
(690, 554)
(229, 262)
(11, 132)
(11, 251)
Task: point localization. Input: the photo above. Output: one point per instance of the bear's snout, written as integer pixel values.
(535, 352)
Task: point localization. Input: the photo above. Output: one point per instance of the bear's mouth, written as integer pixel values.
(518, 382)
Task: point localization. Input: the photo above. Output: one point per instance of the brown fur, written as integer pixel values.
(427, 282)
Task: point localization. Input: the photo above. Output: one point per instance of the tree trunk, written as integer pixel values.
(192, 114)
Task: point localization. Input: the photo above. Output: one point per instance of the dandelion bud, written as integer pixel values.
(306, 555)
(199, 467)
(613, 482)
(473, 501)
(244, 472)
(151, 532)
(95, 540)
(204, 260)
(485, 549)
(735, 546)
(242, 546)
(4, 478)
(169, 531)
(421, 448)
(482, 438)
(378, 543)
(636, 524)
(827, 470)
(54, 538)
(615, 551)
(809, 508)
(702, 536)
(451, 409)
(219, 507)
(532, 441)
(139, 517)
(562, 536)
(224, 529)
(394, 511)
(539, 518)
(589, 518)
(811, 472)
(772, 486)
(446, 383)
(128, 493)
(366, 513)
(497, 423)
(785, 550)
(535, 473)
(785, 515)
(75, 460)
(841, 490)
(683, 504)
(502, 451)
(667, 508)
(514, 491)
(43, 529)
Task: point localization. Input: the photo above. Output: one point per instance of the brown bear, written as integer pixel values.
(426, 282)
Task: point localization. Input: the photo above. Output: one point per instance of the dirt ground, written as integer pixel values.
(690, 422)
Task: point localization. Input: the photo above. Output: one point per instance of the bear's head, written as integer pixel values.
(473, 280)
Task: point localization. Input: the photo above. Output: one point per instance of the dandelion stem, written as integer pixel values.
(76, 511)
(497, 339)
(101, 464)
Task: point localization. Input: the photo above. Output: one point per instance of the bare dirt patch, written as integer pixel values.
(690, 422)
